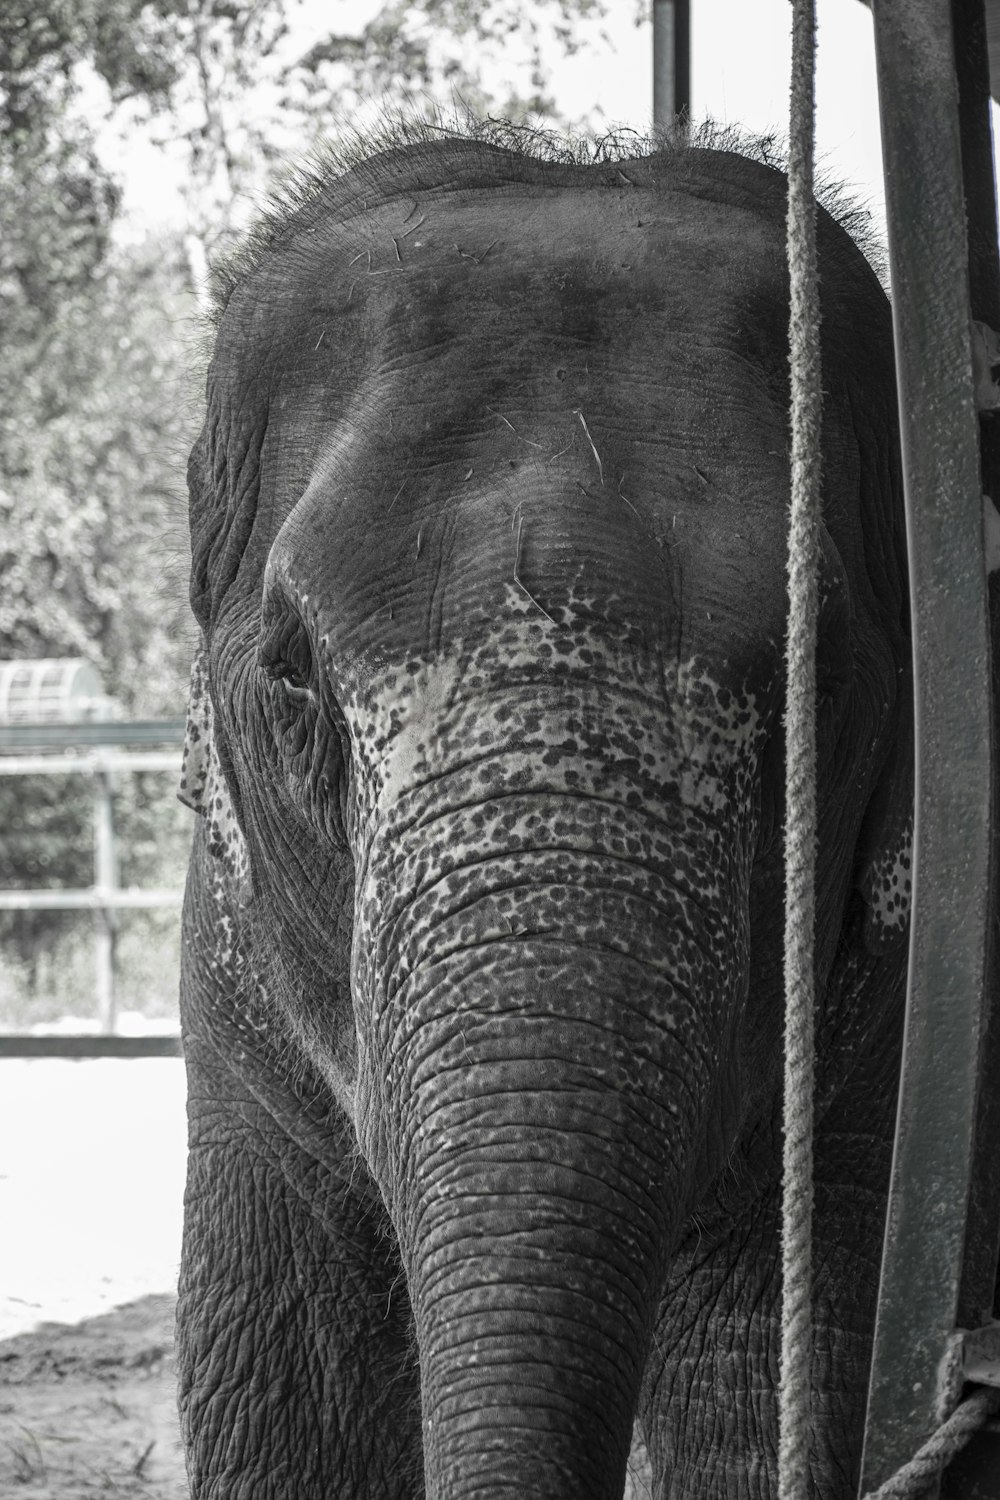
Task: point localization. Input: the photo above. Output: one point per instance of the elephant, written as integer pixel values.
(483, 929)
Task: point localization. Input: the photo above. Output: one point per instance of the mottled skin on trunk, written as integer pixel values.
(482, 965)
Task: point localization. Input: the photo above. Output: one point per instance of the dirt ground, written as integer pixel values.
(88, 1409)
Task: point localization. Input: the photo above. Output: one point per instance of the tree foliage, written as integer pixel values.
(89, 358)
(90, 504)
(96, 419)
(92, 420)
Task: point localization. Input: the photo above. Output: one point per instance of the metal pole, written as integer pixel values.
(64, 898)
(977, 1468)
(671, 62)
(105, 879)
(91, 732)
(914, 1380)
(969, 26)
(85, 762)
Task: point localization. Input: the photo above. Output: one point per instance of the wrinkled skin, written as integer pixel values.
(482, 982)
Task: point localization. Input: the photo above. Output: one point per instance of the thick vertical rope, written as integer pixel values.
(800, 769)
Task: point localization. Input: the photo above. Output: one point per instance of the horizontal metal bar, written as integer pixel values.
(63, 736)
(101, 1044)
(89, 762)
(95, 898)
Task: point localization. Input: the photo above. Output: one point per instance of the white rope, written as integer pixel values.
(800, 770)
(911, 1481)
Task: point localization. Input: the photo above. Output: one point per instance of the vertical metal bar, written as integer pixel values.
(671, 62)
(975, 123)
(105, 919)
(663, 64)
(911, 1367)
(976, 1471)
(682, 59)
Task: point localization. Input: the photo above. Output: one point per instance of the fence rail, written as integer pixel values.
(91, 732)
(88, 761)
(81, 748)
(93, 898)
(90, 1046)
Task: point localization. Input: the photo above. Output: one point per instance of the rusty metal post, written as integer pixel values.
(914, 1379)
(975, 1474)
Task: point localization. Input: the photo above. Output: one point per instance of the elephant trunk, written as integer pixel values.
(544, 1108)
(545, 985)
(532, 1266)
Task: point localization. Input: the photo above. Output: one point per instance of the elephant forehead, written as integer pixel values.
(513, 284)
(461, 246)
(532, 705)
(509, 381)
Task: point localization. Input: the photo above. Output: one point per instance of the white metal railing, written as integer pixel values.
(106, 896)
(51, 690)
(93, 898)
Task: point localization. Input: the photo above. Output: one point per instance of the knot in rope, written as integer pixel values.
(910, 1482)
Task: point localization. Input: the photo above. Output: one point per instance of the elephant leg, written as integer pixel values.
(709, 1406)
(296, 1363)
(297, 1377)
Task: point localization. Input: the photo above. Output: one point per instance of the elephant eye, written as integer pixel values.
(290, 678)
(286, 659)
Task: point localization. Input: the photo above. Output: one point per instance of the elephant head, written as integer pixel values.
(489, 520)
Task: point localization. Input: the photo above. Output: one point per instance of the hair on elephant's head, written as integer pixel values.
(489, 523)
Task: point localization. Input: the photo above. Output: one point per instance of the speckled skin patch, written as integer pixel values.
(704, 760)
(538, 789)
(202, 783)
(890, 882)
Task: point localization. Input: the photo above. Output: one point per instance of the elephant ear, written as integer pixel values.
(885, 865)
(203, 785)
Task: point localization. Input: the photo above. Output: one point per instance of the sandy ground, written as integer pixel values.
(88, 1409)
(91, 1186)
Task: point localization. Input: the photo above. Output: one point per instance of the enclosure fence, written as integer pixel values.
(40, 736)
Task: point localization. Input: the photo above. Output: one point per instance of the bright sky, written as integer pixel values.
(740, 59)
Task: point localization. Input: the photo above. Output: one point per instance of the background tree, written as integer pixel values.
(85, 407)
